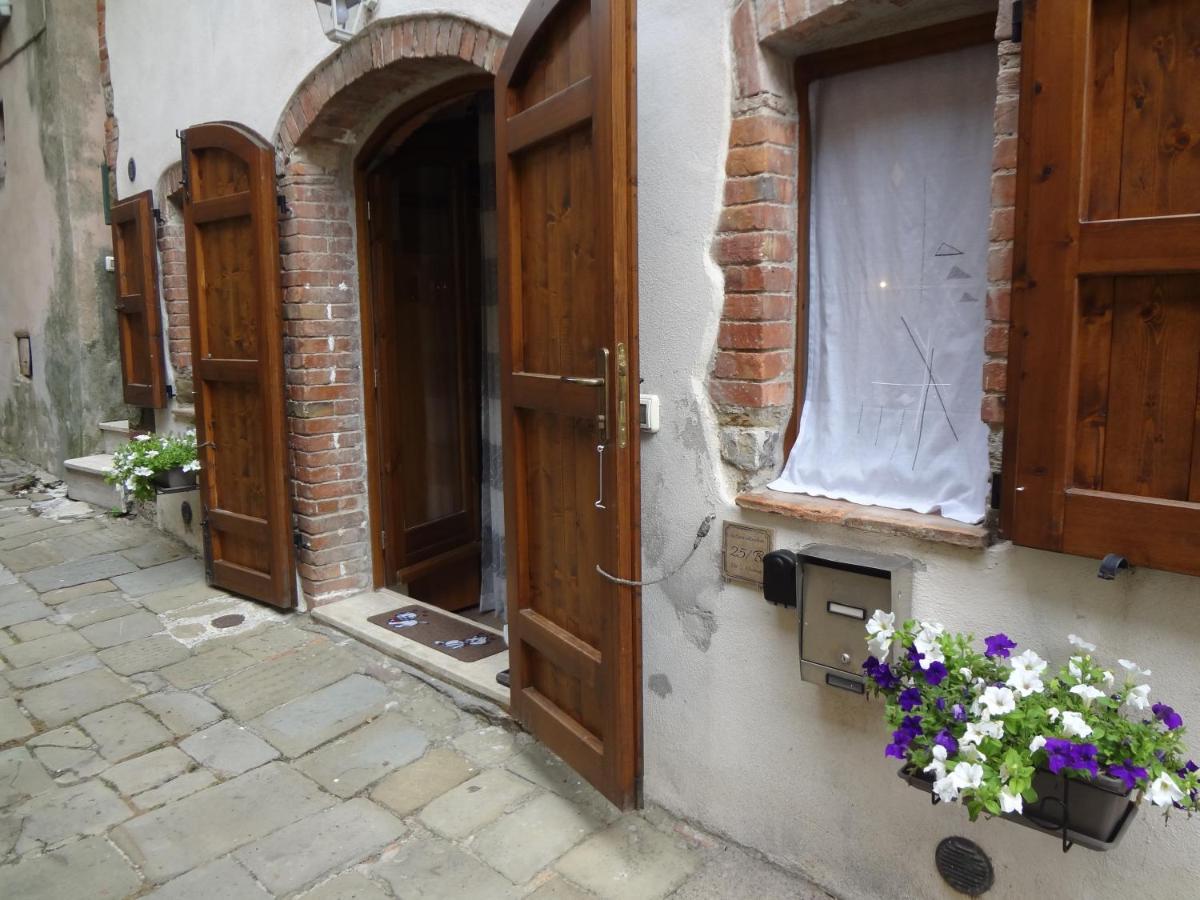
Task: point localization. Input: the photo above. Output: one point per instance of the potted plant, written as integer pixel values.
(1071, 752)
(151, 461)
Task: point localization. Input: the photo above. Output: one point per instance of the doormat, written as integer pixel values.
(461, 640)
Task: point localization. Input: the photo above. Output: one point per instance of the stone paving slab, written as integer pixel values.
(189, 832)
(158, 578)
(56, 816)
(413, 786)
(180, 711)
(205, 668)
(153, 652)
(13, 725)
(522, 843)
(269, 684)
(21, 776)
(175, 789)
(228, 749)
(629, 860)
(148, 771)
(76, 696)
(432, 868)
(110, 633)
(348, 886)
(87, 589)
(92, 608)
(30, 653)
(223, 879)
(472, 805)
(54, 670)
(124, 730)
(155, 553)
(320, 844)
(90, 868)
(358, 760)
(36, 630)
(307, 722)
(179, 596)
(16, 611)
(79, 572)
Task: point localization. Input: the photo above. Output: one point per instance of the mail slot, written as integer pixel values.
(840, 589)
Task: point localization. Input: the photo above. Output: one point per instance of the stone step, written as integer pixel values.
(115, 434)
(85, 480)
(184, 412)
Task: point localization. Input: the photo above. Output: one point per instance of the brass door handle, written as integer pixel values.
(586, 382)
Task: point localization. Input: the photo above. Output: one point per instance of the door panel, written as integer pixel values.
(567, 213)
(235, 305)
(1105, 449)
(139, 320)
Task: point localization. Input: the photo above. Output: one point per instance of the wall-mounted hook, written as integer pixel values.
(1111, 565)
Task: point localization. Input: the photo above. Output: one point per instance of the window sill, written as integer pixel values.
(875, 519)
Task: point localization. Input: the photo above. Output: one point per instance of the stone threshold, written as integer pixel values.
(874, 519)
(350, 617)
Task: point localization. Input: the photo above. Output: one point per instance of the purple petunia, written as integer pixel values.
(1062, 754)
(1129, 774)
(909, 728)
(914, 656)
(880, 673)
(1167, 716)
(910, 699)
(946, 739)
(940, 703)
(999, 645)
(936, 673)
(959, 712)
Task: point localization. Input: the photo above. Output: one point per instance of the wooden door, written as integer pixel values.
(426, 302)
(139, 320)
(566, 159)
(235, 305)
(1104, 415)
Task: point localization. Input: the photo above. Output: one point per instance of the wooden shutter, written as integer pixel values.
(232, 233)
(568, 237)
(1104, 442)
(139, 321)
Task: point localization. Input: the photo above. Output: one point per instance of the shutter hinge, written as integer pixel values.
(1018, 21)
(368, 210)
(297, 539)
(383, 538)
(186, 177)
(281, 202)
(376, 378)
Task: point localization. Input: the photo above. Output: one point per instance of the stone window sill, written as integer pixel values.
(875, 519)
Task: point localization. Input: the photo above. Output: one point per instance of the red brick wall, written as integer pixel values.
(111, 134)
(327, 117)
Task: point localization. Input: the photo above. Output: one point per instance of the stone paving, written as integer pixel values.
(145, 752)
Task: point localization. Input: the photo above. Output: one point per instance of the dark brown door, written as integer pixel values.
(568, 236)
(139, 321)
(237, 345)
(426, 302)
(1104, 450)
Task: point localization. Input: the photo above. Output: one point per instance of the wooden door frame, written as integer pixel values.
(396, 126)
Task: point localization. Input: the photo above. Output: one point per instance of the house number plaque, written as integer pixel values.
(744, 549)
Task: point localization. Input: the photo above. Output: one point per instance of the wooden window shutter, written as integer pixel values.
(1103, 450)
(139, 322)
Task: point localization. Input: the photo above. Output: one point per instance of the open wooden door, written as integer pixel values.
(237, 345)
(566, 156)
(139, 321)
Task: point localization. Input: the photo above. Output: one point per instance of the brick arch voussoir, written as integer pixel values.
(390, 55)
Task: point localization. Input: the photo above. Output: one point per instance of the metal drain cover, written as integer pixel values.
(228, 621)
(964, 866)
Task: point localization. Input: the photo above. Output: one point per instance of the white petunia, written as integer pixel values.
(977, 731)
(143, 471)
(966, 672)
(1087, 692)
(1108, 679)
(142, 438)
(1133, 668)
(882, 628)
(946, 789)
(999, 701)
(1163, 791)
(1025, 682)
(971, 753)
(1073, 725)
(1138, 696)
(191, 466)
(1010, 803)
(967, 775)
(1053, 713)
(1079, 642)
(1030, 661)
(150, 454)
(1037, 744)
(938, 766)
(1073, 667)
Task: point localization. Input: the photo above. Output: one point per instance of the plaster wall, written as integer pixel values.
(53, 238)
(733, 739)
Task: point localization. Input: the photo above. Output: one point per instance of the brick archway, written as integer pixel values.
(337, 106)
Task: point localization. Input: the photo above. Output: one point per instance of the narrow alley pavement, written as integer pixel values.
(159, 738)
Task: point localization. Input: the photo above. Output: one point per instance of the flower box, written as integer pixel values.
(1097, 812)
(175, 478)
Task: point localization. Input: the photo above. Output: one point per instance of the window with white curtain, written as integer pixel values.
(900, 200)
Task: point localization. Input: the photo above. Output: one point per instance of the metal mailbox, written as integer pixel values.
(839, 590)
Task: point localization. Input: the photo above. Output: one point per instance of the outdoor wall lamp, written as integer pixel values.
(342, 19)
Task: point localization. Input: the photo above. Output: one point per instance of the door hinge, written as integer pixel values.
(206, 533)
(368, 210)
(622, 396)
(185, 181)
(298, 539)
(1018, 21)
(383, 539)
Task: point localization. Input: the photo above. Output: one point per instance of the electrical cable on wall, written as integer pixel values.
(701, 534)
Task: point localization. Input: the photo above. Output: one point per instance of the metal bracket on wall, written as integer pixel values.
(1018, 21)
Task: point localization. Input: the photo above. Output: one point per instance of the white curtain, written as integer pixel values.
(898, 285)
